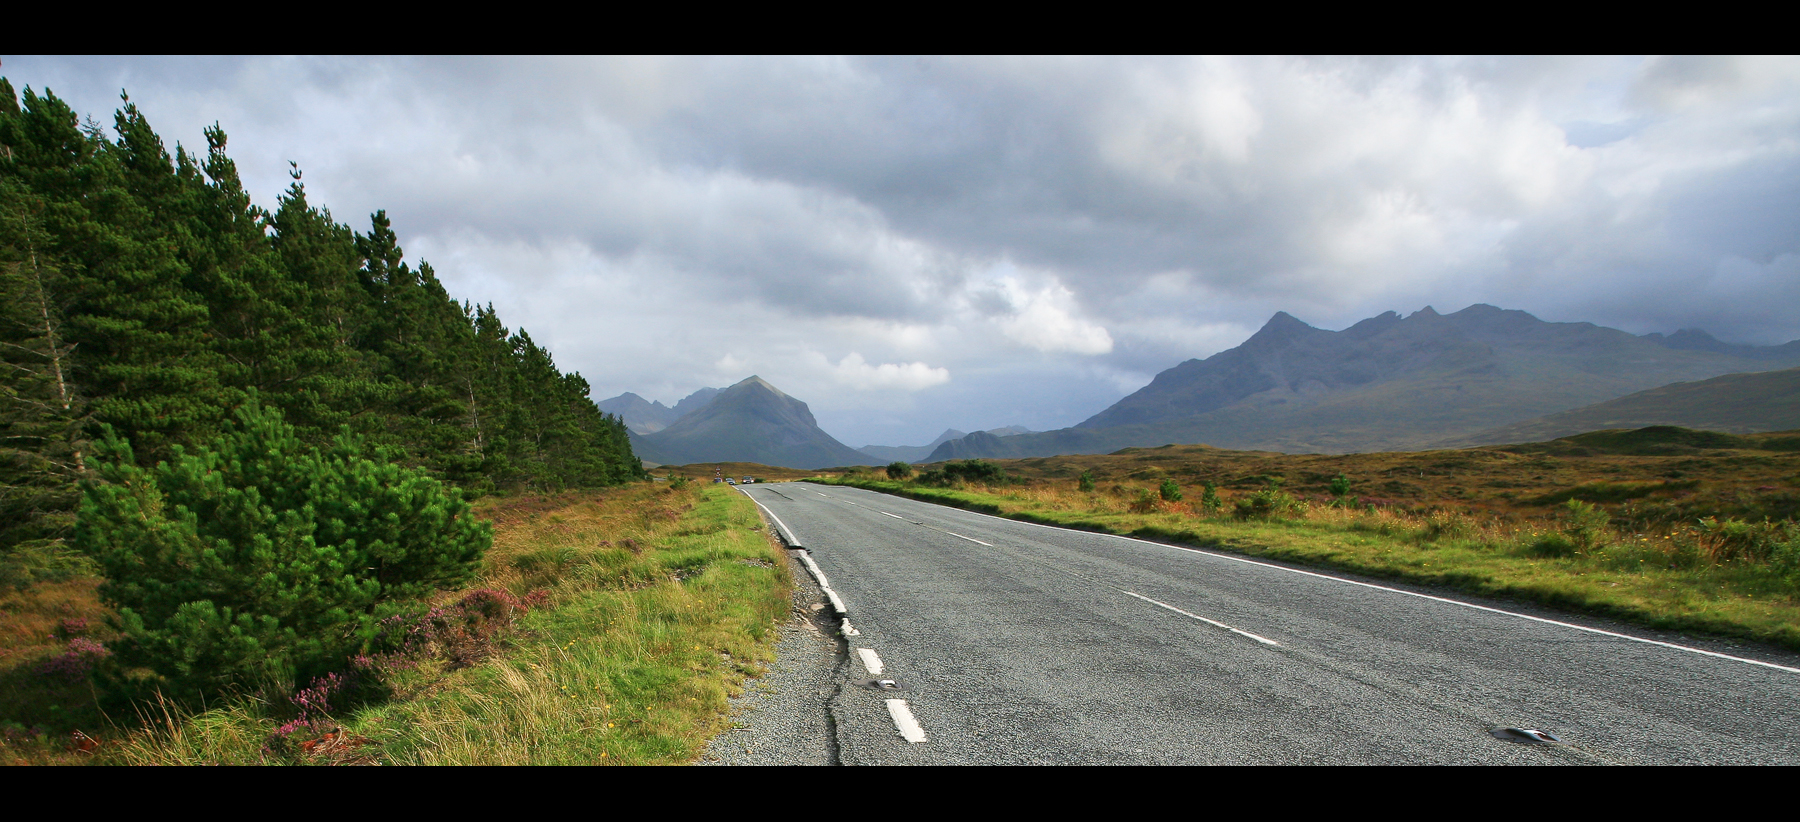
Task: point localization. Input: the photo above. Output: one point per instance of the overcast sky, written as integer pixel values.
(910, 244)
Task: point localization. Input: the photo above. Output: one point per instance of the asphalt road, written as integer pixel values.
(1009, 643)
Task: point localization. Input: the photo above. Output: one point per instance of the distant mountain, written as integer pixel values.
(694, 402)
(752, 421)
(640, 415)
(1734, 404)
(643, 417)
(1693, 339)
(910, 453)
(1386, 383)
(916, 453)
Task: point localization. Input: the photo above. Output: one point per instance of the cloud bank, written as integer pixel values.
(910, 244)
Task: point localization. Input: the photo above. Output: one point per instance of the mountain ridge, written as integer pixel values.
(1385, 383)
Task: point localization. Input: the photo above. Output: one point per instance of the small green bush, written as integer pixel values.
(1340, 487)
(261, 562)
(1145, 502)
(1085, 482)
(1269, 503)
(1169, 491)
(1209, 498)
(898, 470)
(1585, 524)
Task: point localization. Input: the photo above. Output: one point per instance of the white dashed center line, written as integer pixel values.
(903, 720)
(1212, 622)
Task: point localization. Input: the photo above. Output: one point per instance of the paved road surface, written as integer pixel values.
(1010, 643)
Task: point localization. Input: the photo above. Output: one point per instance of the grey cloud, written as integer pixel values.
(652, 217)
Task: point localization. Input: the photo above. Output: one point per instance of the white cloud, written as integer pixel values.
(855, 372)
(1045, 316)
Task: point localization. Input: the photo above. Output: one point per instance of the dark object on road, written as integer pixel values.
(1526, 736)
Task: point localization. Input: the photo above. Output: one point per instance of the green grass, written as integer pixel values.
(661, 602)
(1657, 580)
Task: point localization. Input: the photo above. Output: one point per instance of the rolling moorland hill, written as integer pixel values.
(751, 421)
(916, 453)
(1733, 403)
(911, 453)
(1386, 383)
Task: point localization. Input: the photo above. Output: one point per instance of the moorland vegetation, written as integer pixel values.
(1664, 526)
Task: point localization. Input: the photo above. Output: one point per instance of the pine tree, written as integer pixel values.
(42, 445)
(262, 560)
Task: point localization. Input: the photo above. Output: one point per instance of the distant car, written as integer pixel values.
(730, 480)
(749, 479)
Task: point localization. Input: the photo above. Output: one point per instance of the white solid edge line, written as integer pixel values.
(813, 568)
(870, 660)
(1214, 623)
(847, 630)
(904, 721)
(793, 538)
(837, 602)
(1371, 585)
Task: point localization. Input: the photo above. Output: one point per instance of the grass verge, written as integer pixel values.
(633, 614)
(1648, 579)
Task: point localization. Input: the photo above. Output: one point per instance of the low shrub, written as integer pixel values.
(1085, 482)
(1209, 498)
(898, 470)
(261, 561)
(1269, 503)
(1585, 524)
(1169, 491)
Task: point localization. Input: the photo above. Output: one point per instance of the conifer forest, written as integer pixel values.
(144, 296)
